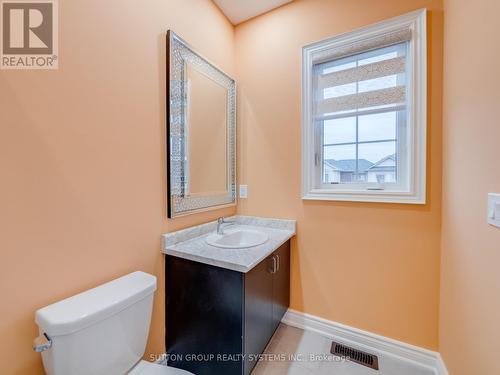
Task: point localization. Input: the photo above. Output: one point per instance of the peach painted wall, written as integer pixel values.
(470, 298)
(371, 266)
(82, 160)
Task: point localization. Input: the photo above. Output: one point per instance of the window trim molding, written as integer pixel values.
(417, 112)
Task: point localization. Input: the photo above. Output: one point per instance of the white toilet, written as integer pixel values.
(102, 331)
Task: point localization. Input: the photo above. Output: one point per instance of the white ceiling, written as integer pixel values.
(241, 10)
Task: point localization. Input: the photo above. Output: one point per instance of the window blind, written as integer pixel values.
(366, 75)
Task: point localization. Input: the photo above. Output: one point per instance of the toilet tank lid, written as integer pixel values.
(79, 311)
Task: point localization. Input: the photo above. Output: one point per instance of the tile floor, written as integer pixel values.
(293, 351)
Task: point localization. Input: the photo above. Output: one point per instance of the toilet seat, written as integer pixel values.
(149, 368)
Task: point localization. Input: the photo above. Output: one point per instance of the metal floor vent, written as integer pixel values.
(355, 355)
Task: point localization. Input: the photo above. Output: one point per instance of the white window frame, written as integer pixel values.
(414, 190)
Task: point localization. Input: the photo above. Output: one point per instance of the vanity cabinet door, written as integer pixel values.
(281, 284)
(204, 315)
(258, 311)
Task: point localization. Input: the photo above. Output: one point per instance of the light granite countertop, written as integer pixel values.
(190, 243)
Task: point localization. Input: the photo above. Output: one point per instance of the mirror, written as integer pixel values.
(206, 123)
(201, 129)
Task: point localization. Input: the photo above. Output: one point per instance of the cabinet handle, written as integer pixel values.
(273, 269)
(278, 261)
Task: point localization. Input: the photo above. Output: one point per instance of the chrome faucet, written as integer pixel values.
(220, 224)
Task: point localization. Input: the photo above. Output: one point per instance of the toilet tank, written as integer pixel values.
(102, 331)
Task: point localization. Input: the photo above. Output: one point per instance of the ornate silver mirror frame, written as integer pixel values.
(180, 201)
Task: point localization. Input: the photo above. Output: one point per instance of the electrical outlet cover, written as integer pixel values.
(243, 191)
(494, 209)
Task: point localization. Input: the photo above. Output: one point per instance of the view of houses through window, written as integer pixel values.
(345, 171)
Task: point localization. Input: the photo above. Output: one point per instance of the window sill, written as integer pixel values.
(371, 197)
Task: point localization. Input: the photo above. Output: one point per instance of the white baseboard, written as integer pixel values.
(441, 367)
(366, 340)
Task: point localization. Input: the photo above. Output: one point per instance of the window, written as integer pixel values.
(364, 114)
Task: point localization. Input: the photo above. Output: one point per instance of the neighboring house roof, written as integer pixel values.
(329, 164)
(378, 165)
(349, 165)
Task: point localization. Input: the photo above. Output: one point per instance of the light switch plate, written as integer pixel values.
(494, 209)
(244, 191)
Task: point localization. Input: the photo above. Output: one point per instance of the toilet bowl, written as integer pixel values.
(102, 331)
(148, 368)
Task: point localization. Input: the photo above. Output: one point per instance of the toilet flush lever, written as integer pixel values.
(42, 343)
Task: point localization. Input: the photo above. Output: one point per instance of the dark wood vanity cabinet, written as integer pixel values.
(217, 320)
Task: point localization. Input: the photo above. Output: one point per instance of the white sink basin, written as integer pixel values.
(237, 238)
